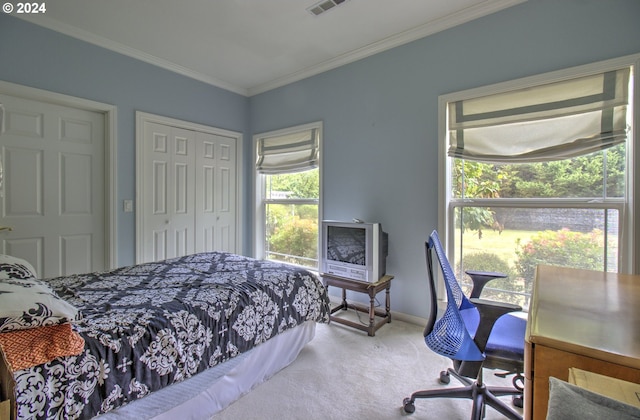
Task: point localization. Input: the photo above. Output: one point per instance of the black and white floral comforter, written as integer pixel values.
(150, 325)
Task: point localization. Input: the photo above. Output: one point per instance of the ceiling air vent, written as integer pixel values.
(323, 6)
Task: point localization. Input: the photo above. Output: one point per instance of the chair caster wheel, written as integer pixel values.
(518, 382)
(408, 406)
(445, 378)
(518, 401)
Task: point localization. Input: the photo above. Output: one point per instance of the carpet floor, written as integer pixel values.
(344, 374)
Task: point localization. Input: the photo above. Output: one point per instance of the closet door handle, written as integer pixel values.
(2, 228)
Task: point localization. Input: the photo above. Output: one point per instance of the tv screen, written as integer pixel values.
(347, 244)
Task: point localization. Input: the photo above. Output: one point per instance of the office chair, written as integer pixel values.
(476, 334)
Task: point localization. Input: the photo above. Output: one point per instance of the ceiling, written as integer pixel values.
(251, 46)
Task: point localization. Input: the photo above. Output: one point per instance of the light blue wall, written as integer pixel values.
(33, 56)
(380, 114)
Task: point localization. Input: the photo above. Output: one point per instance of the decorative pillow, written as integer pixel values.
(26, 348)
(15, 268)
(31, 303)
(569, 402)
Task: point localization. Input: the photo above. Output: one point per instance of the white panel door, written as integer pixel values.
(215, 193)
(169, 203)
(187, 179)
(52, 195)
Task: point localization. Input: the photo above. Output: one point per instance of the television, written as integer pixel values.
(354, 250)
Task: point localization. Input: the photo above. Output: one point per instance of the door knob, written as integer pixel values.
(6, 228)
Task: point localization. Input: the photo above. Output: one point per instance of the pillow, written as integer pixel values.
(569, 402)
(26, 348)
(31, 303)
(15, 268)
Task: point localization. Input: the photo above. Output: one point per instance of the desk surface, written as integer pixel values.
(586, 312)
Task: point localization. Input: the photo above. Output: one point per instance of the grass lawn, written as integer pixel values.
(580, 253)
(502, 244)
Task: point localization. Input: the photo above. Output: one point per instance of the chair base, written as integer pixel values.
(480, 394)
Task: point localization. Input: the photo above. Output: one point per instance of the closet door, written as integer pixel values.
(168, 202)
(215, 193)
(186, 182)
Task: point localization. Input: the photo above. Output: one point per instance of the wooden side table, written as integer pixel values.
(371, 289)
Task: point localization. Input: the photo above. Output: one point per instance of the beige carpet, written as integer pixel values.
(344, 374)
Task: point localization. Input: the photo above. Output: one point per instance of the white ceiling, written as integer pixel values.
(251, 46)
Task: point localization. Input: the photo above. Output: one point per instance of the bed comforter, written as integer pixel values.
(150, 325)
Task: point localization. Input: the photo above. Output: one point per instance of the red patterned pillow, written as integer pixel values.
(35, 346)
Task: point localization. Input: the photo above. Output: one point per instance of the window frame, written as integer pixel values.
(629, 210)
(259, 187)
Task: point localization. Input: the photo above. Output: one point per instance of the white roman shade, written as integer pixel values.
(294, 152)
(541, 123)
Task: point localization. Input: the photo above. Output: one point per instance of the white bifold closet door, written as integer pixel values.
(187, 202)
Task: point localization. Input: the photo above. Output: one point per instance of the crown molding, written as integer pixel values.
(437, 25)
(474, 12)
(83, 35)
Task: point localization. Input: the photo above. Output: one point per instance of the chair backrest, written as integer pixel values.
(448, 336)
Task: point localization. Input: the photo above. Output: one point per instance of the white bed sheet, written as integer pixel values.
(209, 392)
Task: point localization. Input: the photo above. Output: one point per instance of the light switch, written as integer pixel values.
(128, 206)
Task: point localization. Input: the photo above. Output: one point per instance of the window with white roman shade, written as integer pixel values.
(288, 194)
(542, 170)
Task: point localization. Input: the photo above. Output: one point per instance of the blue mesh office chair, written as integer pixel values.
(476, 334)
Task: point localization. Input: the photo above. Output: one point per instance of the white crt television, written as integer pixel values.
(354, 250)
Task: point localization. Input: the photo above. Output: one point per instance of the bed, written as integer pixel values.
(188, 335)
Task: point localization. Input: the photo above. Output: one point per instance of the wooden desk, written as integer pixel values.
(584, 319)
(372, 289)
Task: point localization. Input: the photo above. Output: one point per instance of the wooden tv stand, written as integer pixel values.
(371, 289)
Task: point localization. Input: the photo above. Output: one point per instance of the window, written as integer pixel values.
(288, 195)
(538, 171)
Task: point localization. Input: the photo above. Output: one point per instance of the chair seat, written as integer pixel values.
(506, 338)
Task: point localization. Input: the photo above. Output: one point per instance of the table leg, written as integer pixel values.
(388, 303)
(372, 313)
